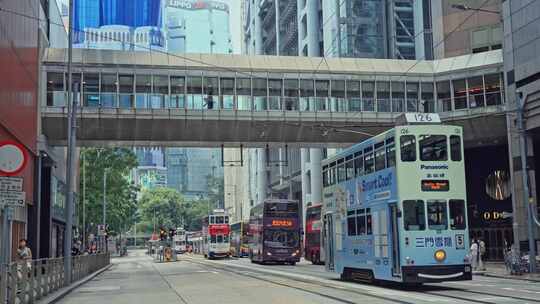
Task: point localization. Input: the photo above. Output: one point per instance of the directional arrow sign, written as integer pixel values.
(14, 198)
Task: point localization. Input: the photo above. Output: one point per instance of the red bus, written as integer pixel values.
(216, 233)
(312, 245)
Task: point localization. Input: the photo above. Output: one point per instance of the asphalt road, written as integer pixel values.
(192, 279)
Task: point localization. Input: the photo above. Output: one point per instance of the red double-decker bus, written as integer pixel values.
(313, 245)
(216, 232)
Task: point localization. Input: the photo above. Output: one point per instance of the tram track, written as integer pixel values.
(251, 274)
(178, 295)
(480, 293)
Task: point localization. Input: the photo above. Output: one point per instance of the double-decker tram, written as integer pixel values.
(274, 230)
(395, 205)
(239, 239)
(216, 235)
(180, 240)
(313, 231)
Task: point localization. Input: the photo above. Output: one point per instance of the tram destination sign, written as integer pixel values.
(11, 183)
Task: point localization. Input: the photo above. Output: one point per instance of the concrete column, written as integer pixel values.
(312, 12)
(304, 156)
(258, 31)
(262, 180)
(519, 206)
(315, 158)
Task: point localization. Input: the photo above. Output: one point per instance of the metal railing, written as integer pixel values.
(27, 282)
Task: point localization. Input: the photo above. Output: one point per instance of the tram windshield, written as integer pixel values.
(437, 215)
(433, 148)
(414, 215)
(280, 238)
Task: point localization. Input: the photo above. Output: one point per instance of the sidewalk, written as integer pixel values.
(498, 270)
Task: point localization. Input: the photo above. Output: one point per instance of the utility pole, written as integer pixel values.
(527, 199)
(70, 168)
(104, 220)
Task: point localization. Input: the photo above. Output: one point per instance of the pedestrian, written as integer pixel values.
(23, 252)
(474, 254)
(481, 253)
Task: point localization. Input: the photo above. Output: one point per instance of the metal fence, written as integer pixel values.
(30, 281)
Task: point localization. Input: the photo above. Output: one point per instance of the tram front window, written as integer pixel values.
(212, 239)
(433, 148)
(220, 238)
(414, 215)
(280, 238)
(437, 215)
(457, 215)
(219, 220)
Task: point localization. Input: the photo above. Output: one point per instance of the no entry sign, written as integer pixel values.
(13, 158)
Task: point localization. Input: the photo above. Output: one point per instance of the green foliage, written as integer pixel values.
(195, 211)
(165, 206)
(121, 194)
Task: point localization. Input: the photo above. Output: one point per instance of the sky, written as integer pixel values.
(235, 20)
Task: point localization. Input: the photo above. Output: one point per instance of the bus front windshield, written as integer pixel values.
(280, 238)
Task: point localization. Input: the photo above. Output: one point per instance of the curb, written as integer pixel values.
(62, 292)
(491, 275)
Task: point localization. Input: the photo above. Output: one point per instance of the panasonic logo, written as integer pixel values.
(433, 167)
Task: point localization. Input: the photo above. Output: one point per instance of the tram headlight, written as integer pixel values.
(440, 255)
(268, 253)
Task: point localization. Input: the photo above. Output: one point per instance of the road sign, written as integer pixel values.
(101, 230)
(13, 198)
(11, 183)
(13, 157)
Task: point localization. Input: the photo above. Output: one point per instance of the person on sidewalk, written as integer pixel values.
(23, 252)
(481, 254)
(474, 254)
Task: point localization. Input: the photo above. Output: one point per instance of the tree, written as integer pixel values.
(165, 206)
(195, 211)
(121, 193)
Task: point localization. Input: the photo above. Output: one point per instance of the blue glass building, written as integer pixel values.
(132, 13)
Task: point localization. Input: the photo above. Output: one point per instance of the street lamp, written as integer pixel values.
(463, 7)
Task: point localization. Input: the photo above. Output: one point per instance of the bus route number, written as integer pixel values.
(423, 118)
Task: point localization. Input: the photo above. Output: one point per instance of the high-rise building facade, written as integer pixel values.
(459, 31)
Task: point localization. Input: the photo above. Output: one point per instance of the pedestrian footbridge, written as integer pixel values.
(148, 98)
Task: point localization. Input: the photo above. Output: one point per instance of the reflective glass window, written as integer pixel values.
(353, 89)
(361, 221)
(455, 148)
(306, 88)
(476, 91)
(243, 86)
(337, 89)
(274, 87)
(369, 161)
(341, 170)
(433, 148)
(351, 223)
(390, 153)
(414, 215)
(259, 87)
(383, 96)
(493, 89)
(380, 157)
(408, 148)
(368, 95)
(358, 164)
(458, 220)
(194, 85)
(178, 86)
(126, 90)
(143, 88)
(322, 88)
(437, 214)
(412, 96)
(398, 96)
(55, 89)
(91, 90)
(227, 86)
(109, 85)
(460, 94)
(349, 166)
(210, 86)
(444, 96)
(427, 100)
(290, 87)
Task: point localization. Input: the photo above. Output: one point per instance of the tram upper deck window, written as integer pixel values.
(380, 157)
(369, 162)
(414, 215)
(457, 214)
(358, 164)
(325, 176)
(437, 215)
(390, 153)
(369, 229)
(455, 148)
(220, 220)
(433, 148)
(349, 166)
(226, 218)
(408, 148)
(212, 220)
(341, 170)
